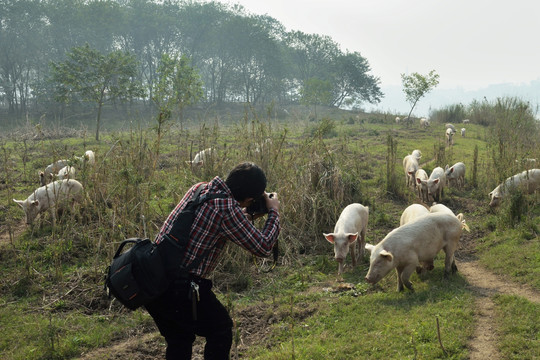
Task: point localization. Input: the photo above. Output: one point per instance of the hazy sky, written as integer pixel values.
(469, 43)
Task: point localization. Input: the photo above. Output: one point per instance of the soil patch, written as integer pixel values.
(484, 285)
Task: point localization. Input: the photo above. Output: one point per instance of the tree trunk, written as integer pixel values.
(98, 121)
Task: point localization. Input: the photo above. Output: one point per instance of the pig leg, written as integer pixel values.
(362, 244)
(354, 254)
(399, 282)
(405, 275)
(449, 263)
(454, 267)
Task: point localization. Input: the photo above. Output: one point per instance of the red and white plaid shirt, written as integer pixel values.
(217, 220)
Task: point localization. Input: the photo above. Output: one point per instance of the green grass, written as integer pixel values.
(513, 253)
(53, 333)
(51, 300)
(372, 322)
(519, 328)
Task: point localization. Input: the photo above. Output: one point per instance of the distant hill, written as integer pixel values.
(394, 99)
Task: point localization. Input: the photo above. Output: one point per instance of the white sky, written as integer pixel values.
(470, 43)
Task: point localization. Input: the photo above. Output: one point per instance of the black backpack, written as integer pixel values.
(144, 272)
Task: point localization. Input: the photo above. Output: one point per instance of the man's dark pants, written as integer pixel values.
(172, 313)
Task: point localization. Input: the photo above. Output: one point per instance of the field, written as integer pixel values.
(52, 302)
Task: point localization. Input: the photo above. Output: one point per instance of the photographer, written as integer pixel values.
(190, 307)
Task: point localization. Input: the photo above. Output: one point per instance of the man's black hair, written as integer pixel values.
(246, 180)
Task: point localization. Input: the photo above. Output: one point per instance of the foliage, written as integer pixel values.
(316, 92)
(177, 87)
(416, 86)
(352, 83)
(240, 57)
(481, 112)
(454, 113)
(508, 148)
(96, 78)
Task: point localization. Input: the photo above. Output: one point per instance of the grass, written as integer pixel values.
(514, 253)
(371, 322)
(55, 333)
(519, 327)
(52, 305)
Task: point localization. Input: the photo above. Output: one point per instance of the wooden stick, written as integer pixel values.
(439, 336)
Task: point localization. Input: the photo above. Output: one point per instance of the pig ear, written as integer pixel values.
(436, 181)
(418, 181)
(35, 203)
(20, 202)
(369, 247)
(329, 237)
(446, 167)
(352, 237)
(490, 195)
(451, 169)
(386, 255)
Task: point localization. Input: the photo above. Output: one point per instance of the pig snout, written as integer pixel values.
(369, 280)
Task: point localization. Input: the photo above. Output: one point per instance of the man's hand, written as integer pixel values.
(272, 201)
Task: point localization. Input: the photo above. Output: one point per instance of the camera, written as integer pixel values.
(258, 206)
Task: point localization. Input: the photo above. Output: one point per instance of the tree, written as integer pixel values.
(22, 50)
(351, 82)
(416, 86)
(96, 78)
(178, 86)
(311, 55)
(316, 92)
(255, 56)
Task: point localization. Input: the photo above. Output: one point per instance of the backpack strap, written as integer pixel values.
(175, 242)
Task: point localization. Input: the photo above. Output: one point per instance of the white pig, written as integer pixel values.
(351, 223)
(89, 158)
(417, 154)
(67, 172)
(420, 175)
(202, 156)
(440, 208)
(51, 197)
(410, 165)
(407, 246)
(435, 184)
(412, 212)
(450, 137)
(455, 174)
(51, 170)
(528, 181)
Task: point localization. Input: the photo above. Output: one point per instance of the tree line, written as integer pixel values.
(237, 56)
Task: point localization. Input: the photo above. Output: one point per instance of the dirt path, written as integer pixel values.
(484, 285)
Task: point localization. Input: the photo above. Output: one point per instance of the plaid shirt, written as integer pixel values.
(216, 221)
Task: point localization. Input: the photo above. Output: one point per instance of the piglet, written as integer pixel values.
(351, 223)
(51, 197)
